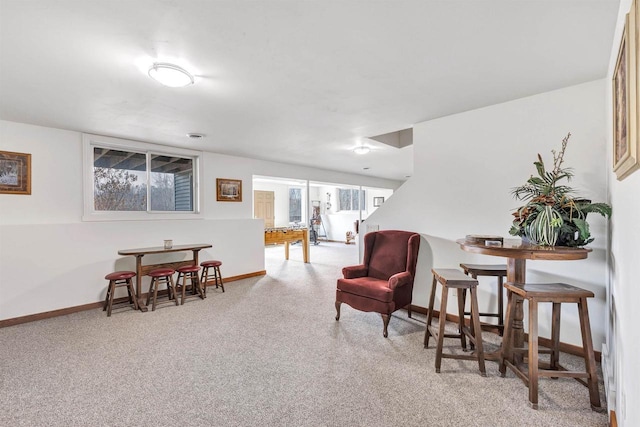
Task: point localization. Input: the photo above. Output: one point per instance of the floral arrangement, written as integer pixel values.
(552, 215)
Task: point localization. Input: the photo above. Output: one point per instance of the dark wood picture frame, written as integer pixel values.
(378, 201)
(228, 190)
(15, 173)
(625, 97)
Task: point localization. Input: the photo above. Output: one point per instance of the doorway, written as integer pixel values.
(332, 212)
(263, 207)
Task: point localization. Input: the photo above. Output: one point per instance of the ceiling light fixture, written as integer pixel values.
(362, 149)
(170, 75)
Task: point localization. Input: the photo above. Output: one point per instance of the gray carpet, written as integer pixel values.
(267, 352)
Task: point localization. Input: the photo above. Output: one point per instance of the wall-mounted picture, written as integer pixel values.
(625, 110)
(228, 190)
(378, 201)
(15, 173)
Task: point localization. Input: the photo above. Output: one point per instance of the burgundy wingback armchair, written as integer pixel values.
(383, 283)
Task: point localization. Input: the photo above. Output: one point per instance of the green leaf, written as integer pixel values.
(601, 208)
(583, 228)
(535, 181)
(540, 166)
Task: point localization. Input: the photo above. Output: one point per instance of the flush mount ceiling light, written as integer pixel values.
(362, 149)
(170, 75)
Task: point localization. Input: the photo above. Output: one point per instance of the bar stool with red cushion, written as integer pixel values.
(189, 272)
(116, 280)
(215, 276)
(158, 276)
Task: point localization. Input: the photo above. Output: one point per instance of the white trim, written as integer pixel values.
(89, 214)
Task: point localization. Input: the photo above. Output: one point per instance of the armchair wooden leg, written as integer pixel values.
(409, 310)
(338, 303)
(385, 322)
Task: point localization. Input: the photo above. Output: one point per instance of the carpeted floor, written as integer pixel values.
(267, 352)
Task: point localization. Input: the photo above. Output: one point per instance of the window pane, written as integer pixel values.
(355, 199)
(171, 183)
(344, 199)
(295, 205)
(119, 180)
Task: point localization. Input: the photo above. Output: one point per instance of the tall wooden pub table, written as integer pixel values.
(517, 254)
(141, 270)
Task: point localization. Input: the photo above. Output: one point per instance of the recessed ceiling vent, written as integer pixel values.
(399, 139)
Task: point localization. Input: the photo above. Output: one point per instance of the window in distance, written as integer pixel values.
(295, 205)
(351, 199)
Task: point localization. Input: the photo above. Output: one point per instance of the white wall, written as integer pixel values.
(370, 194)
(624, 293)
(465, 166)
(50, 259)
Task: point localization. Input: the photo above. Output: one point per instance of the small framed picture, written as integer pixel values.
(228, 190)
(15, 173)
(378, 201)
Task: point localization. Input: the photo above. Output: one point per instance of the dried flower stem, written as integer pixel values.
(558, 158)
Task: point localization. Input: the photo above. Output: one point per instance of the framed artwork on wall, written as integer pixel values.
(15, 173)
(625, 98)
(228, 190)
(378, 201)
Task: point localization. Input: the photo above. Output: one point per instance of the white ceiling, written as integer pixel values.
(288, 80)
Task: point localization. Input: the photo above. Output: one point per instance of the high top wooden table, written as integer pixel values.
(517, 254)
(141, 270)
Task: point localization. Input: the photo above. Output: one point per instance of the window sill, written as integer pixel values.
(139, 216)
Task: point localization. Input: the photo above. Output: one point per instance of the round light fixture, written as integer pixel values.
(170, 75)
(362, 149)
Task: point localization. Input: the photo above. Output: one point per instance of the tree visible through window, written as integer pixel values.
(350, 199)
(120, 181)
(295, 205)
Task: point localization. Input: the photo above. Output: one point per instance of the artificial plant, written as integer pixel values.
(552, 215)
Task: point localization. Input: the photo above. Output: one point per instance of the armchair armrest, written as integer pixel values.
(400, 279)
(355, 271)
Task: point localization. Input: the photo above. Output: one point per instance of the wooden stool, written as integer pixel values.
(189, 272)
(555, 293)
(206, 275)
(161, 275)
(450, 278)
(117, 279)
(499, 271)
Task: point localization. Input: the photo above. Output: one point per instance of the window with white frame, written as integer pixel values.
(351, 199)
(295, 205)
(133, 178)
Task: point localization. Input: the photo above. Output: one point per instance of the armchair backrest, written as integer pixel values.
(388, 252)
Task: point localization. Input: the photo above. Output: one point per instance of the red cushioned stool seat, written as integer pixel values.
(120, 275)
(214, 274)
(158, 276)
(116, 280)
(189, 272)
(160, 272)
(212, 263)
